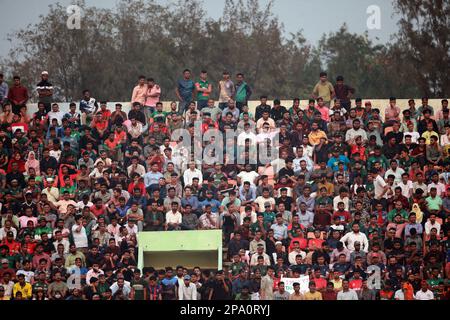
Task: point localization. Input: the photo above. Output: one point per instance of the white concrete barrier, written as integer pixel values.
(380, 104)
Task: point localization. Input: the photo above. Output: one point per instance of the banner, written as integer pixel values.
(289, 282)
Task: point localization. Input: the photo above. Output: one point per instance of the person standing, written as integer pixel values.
(266, 291)
(187, 290)
(185, 91)
(139, 91)
(226, 89)
(324, 89)
(45, 91)
(17, 95)
(3, 90)
(151, 97)
(343, 92)
(203, 89)
(243, 92)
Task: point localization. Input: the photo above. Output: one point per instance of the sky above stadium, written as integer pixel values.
(314, 17)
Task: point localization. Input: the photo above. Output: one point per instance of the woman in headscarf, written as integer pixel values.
(33, 163)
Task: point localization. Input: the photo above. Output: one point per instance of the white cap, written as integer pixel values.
(44, 72)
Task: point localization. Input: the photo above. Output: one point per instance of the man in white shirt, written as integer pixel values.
(260, 252)
(356, 131)
(64, 203)
(93, 273)
(424, 293)
(350, 238)
(300, 157)
(59, 239)
(192, 173)
(173, 218)
(79, 235)
(395, 171)
(406, 185)
(51, 192)
(380, 186)
(440, 187)
(188, 290)
(296, 251)
(55, 114)
(247, 175)
(432, 223)
(346, 293)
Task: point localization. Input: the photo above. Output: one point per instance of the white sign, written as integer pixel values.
(289, 284)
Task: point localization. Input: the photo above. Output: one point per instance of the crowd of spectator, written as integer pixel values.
(355, 198)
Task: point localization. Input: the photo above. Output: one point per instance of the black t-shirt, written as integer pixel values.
(138, 115)
(285, 172)
(219, 292)
(287, 202)
(322, 153)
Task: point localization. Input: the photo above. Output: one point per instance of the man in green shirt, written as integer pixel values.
(324, 89)
(377, 157)
(237, 266)
(159, 113)
(397, 210)
(259, 225)
(203, 90)
(42, 228)
(434, 202)
(41, 282)
(138, 286)
(243, 92)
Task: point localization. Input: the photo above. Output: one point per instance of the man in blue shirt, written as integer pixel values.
(215, 204)
(151, 178)
(191, 200)
(185, 91)
(336, 158)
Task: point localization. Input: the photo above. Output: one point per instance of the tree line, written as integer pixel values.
(114, 46)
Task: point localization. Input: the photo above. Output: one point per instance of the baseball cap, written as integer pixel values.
(187, 277)
(278, 243)
(44, 73)
(5, 261)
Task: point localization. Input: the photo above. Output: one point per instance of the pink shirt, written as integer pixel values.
(23, 220)
(392, 113)
(325, 112)
(151, 101)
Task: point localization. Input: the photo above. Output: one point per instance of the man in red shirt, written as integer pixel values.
(13, 245)
(18, 95)
(356, 282)
(321, 283)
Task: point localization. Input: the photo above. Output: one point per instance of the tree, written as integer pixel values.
(424, 42)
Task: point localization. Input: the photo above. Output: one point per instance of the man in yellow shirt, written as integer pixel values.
(316, 134)
(429, 133)
(23, 287)
(312, 294)
(324, 89)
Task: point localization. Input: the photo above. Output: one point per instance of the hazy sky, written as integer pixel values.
(314, 17)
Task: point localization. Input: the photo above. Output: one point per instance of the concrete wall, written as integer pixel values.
(186, 248)
(376, 103)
